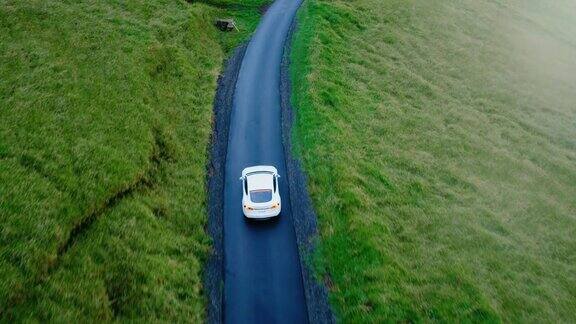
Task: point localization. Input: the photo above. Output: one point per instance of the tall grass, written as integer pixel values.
(440, 144)
(105, 115)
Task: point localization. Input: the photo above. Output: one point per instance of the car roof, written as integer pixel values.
(259, 168)
(262, 180)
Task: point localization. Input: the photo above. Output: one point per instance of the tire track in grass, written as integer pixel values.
(146, 181)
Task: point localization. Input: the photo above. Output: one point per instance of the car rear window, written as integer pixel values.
(260, 196)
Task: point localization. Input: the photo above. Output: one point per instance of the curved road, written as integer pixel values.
(262, 275)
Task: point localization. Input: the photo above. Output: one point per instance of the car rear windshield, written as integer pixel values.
(260, 196)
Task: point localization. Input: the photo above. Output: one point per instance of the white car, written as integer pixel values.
(261, 197)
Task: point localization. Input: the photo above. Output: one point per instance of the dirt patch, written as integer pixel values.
(263, 8)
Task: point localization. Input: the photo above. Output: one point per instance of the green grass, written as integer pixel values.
(440, 142)
(105, 117)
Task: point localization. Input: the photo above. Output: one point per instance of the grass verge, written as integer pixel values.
(439, 141)
(105, 119)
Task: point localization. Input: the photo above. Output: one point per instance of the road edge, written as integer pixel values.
(303, 213)
(215, 170)
(304, 216)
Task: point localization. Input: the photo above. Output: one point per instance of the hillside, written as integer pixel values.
(105, 116)
(440, 145)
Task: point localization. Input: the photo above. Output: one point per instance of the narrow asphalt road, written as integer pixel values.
(262, 275)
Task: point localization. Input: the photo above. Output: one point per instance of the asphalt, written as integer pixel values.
(262, 270)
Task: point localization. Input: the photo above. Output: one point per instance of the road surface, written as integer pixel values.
(262, 275)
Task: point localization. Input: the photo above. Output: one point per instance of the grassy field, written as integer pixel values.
(440, 142)
(105, 116)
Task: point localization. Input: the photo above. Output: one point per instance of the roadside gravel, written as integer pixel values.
(214, 270)
(303, 214)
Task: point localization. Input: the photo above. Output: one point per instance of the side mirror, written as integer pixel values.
(241, 178)
(277, 176)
